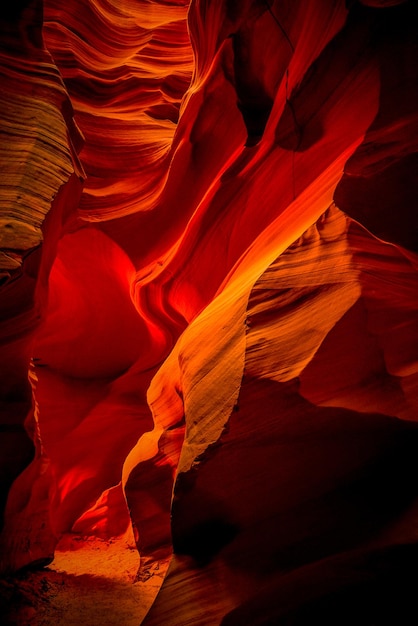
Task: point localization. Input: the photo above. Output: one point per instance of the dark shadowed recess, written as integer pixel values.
(380, 185)
(327, 479)
(10, 11)
(377, 588)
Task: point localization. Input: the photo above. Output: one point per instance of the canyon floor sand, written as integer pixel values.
(90, 582)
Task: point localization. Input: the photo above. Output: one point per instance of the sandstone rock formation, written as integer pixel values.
(209, 261)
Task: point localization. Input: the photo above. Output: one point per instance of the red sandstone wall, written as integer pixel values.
(209, 261)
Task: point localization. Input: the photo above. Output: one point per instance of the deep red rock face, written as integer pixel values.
(209, 301)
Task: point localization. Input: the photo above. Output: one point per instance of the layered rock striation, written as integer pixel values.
(215, 296)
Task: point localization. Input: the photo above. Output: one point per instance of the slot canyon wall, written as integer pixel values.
(209, 280)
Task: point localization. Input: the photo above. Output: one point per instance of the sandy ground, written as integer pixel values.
(91, 582)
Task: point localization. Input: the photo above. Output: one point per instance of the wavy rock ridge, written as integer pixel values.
(209, 261)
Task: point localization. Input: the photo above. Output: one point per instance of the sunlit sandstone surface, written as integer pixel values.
(209, 294)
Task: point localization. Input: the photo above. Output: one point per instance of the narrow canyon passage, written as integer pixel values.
(208, 312)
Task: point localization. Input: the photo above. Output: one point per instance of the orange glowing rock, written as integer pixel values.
(40, 183)
(126, 69)
(227, 353)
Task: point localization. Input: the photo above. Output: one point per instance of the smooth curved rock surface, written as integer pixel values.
(215, 296)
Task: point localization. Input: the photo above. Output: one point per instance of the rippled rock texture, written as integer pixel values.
(209, 299)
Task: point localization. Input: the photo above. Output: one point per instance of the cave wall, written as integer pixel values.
(209, 298)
